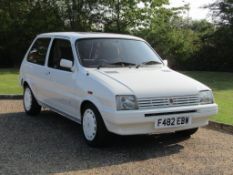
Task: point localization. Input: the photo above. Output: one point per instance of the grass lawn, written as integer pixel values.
(221, 84)
(9, 83)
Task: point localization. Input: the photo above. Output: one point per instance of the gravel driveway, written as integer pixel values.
(51, 144)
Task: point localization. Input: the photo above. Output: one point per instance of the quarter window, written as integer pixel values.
(61, 49)
(38, 51)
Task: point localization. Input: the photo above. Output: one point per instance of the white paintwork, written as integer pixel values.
(64, 92)
(89, 124)
(66, 63)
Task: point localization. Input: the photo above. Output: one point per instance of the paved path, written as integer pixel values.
(50, 144)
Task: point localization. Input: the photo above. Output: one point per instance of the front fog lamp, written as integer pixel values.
(126, 102)
(206, 97)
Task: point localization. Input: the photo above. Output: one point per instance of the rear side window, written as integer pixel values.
(61, 49)
(38, 51)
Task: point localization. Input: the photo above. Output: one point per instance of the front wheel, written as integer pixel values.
(30, 104)
(93, 127)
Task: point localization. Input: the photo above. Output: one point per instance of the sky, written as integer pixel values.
(196, 12)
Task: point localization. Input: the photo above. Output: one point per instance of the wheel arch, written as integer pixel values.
(98, 107)
(84, 104)
(25, 83)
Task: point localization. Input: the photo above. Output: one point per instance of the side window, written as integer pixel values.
(38, 51)
(61, 49)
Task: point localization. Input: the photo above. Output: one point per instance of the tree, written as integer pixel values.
(186, 43)
(216, 54)
(171, 35)
(22, 20)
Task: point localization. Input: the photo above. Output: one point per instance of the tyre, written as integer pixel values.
(93, 127)
(30, 104)
(187, 133)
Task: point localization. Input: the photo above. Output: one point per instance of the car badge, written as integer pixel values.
(171, 100)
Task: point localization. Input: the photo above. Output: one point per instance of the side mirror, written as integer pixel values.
(165, 62)
(66, 63)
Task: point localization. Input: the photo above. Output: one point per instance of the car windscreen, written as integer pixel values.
(111, 52)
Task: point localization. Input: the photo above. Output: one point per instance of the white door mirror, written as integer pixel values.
(66, 63)
(165, 62)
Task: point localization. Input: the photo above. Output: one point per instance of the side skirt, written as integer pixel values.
(61, 113)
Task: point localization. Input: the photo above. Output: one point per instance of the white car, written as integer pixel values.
(111, 83)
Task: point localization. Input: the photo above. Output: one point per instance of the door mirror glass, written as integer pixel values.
(165, 62)
(65, 63)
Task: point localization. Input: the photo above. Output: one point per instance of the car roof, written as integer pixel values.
(79, 35)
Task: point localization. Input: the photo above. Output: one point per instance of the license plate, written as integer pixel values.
(168, 122)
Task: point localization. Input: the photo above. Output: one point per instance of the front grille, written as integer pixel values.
(165, 102)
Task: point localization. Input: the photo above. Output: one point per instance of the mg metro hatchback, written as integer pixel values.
(111, 83)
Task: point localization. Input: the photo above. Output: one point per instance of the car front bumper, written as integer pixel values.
(135, 122)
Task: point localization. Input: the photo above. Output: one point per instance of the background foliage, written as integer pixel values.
(187, 44)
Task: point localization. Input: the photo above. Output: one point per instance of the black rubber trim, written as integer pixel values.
(169, 113)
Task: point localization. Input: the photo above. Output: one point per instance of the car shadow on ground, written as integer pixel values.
(49, 143)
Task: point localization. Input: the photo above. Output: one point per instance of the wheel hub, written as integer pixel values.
(27, 99)
(89, 124)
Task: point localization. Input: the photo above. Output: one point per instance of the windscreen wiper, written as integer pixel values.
(148, 63)
(102, 65)
(122, 63)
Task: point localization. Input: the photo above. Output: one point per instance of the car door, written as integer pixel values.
(62, 95)
(35, 69)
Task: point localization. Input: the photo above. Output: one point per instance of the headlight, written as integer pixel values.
(206, 97)
(126, 102)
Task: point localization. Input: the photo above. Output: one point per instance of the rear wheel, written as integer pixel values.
(93, 127)
(187, 133)
(30, 104)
